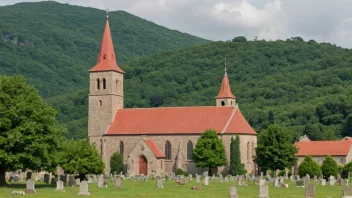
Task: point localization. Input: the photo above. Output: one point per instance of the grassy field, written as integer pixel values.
(171, 189)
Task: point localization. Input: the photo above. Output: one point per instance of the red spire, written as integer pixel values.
(225, 90)
(106, 58)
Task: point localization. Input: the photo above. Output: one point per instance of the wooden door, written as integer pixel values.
(143, 165)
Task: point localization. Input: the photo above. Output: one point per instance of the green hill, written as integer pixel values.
(304, 86)
(53, 45)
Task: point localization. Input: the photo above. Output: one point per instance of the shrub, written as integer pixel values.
(329, 167)
(310, 167)
(181, 172)
(116, 163)
(347, 168)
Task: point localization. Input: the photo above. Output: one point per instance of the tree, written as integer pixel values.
(312, 131)
(329, 135)
(209, 151)
(116, 163)
(275, 150)
(329, 167)
(310, 167)
(81, 156)
(236, 167)
(30, 136)
(239, 39)
(346, 169)
(347, 128)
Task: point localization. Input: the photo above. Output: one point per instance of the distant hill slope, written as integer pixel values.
(304, 86)
(53, 45)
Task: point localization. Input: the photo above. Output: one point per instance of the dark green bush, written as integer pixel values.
(347, 168)
(329, 167)
(181, 172)
(309, 166)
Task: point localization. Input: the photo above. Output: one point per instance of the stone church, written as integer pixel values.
(158, 140)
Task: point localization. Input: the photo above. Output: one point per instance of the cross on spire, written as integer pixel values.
(107, 13)
(225, 68)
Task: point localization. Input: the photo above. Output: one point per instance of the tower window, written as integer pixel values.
(168, 150)
(100, 103)
(104, 83)
(222, 103)
(98, 84)
(121, 148)
(189, 150)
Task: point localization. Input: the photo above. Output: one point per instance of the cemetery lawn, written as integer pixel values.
(171, 189)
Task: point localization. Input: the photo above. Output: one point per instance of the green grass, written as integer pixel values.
(171, 189)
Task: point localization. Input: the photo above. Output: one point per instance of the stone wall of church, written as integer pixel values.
(178, 143)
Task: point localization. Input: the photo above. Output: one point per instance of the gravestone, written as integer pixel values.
(78, 182)
(118, 182)
(159, 183)
(291, 178)
(178, 179)
(347, 192)
(220, 178)
(100, 182)
(276, 183)
(198, 179)
(281, 180)
(16, 178)
(233, 192)
(299, 183)
(315, 179)
(83, 188)
(263, 191)
(206, 181)
(331, 180)
(190, 177)
(306, 180)
(182, 180)
(205, 173)
(71, 181)
(29, 176)
(46, 178)
(60, 186)
(226, 179)
(323, 182)
(310, 190)
(239, 182)
(30, 187)
(261, 182)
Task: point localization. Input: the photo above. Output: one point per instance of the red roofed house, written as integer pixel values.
(158, 139)
(340, 150)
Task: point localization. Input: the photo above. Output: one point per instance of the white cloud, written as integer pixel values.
(322, 20)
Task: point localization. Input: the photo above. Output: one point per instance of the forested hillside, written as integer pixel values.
(304, 86)
(53, 45)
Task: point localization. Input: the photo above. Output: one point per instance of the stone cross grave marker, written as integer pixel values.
(331, 180)
(233, 192)
(263, 191)
(30, 187)
(310, 190)
(118, 182)
(206, 181)
(83, 188)
(60, 186)
(159, 183)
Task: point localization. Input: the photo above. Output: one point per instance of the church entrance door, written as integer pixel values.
(143, 165)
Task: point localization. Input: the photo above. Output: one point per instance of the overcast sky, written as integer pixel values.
(321, 20)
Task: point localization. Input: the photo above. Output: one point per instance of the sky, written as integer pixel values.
(320, 20)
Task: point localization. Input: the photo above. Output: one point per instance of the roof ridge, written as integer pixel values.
(228, 122)
(174, 107)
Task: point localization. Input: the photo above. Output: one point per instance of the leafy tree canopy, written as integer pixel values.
(236, 167)
(275, 150)
(30, 136)
(116, 163)
(310, 167)
(346, 169)
(329, 167)
(80, 156)
(209, 151)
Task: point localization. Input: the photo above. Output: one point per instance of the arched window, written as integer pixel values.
(104, 83)
(253, 151)
(168, 150)
(222, 103)
(117, 84)
(248, 152)
(100, 103)
(189, 150)
(121, 149)
(98, 84)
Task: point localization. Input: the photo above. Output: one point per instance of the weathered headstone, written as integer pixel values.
(71, 181)
(276, 183)
(118, 182)
(263, 191)
(78, 182)
(16, 178)
(261, 182)
(46, 178)
(100, 182)
(306, 180)
(233, 192)
(60, 186)
(220, 178)
(347, 192)
(331, 180)
(323, 182)
(281, 180)
(205, 173)
(291, 178)
(299, 183)
(159, 183)
(190, 177)
(310, 190)
(83, 188)
(182, 180)
(206, 181)
(30, 187)
(198, 179)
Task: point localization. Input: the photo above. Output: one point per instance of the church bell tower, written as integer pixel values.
(225, 97)
(105, 88)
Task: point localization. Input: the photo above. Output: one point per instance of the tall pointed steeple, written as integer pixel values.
(225, 96)
(106, 57)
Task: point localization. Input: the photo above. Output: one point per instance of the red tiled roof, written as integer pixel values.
(323, 148)
(179, 120)
(106, 58)
(225, 90)
(154, 148)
